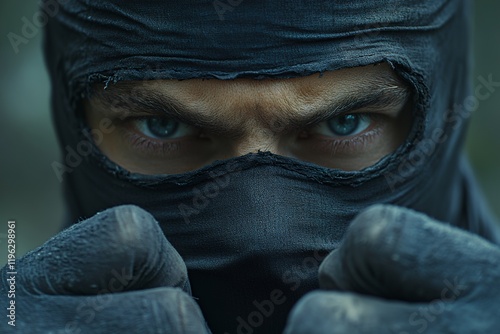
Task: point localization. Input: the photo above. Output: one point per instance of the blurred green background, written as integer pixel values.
(29, 190)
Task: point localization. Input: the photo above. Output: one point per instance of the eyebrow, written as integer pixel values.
(130, 101)
(376, 99)
(130, 104)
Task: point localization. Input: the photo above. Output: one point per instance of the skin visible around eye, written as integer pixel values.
(142, 149)
(162, 128)
(380, 136)
(248, 115)
(344, 125)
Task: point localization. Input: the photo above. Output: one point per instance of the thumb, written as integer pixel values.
(119, 249)
(400, 254)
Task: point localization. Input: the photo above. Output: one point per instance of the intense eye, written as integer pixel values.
(344, 125)
(162, 128)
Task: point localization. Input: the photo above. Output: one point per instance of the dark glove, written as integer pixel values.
(401, 272)
(113, 273)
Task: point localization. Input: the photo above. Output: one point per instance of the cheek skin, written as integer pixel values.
(109, 145)
(112, 144)
(118, 149)
(370, 148)
(390, 136)
(250, 107)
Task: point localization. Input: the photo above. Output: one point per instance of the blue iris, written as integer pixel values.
(344, 125)
(162, 127)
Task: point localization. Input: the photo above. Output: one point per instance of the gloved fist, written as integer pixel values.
(113, 273)
(401, 272)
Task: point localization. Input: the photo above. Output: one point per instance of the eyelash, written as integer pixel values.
(149, 145)
(347, 145)
(354, 143)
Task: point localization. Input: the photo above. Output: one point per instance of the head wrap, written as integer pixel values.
(253, 229)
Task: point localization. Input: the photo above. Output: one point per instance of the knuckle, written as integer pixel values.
(134, 224)
(379, 225)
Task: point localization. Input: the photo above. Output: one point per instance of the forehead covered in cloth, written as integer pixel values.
(241, 223)
(191, 39)
(425, 42)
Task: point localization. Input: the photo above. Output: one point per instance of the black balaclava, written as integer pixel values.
(253, 229)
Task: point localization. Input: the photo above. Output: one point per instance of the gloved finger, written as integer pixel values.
(322, 312)
(119, 249)
(159, 310)
(398, 253)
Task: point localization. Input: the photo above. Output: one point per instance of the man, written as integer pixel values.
(293, 123)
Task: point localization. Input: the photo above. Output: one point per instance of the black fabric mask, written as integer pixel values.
(253, 229)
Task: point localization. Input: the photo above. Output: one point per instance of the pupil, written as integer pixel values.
(344, 125)
(162, 127)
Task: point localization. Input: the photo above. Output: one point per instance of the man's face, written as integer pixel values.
(346, 119)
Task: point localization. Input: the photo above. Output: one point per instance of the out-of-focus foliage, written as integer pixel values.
(483, 141)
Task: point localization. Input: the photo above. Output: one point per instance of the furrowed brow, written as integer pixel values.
(130, 101)
(377, 99)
